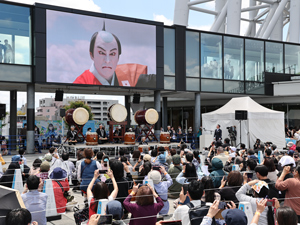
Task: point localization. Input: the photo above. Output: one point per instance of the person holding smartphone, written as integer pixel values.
(99, 190)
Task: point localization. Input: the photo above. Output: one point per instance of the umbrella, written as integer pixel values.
(9, 199)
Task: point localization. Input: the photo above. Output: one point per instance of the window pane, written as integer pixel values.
(211, 85)
(234, 87)
(169, 51)
(15, 73)
(15, 34)
(233, 58)
(255, 88)
(211, 56)
(254, 60)
(192, 84)
(169, 83)
(192, 54)
(292, 59)
(274, 57)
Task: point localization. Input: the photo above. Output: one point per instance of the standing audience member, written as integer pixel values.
(292, 188)
(69, 165)
(144, 211)
(21, 154)
(86, 169)
(34, 200)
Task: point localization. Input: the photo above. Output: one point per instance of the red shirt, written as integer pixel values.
(60, 200)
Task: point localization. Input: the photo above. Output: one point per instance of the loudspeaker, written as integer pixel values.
(186, 115)
(2, 110)
(241, 114)
(62, 112)
(59, 96)
(136, 99)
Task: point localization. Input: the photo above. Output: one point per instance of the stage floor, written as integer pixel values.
(73, 148)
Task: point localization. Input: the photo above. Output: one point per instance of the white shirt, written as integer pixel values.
(182, 212)
(102, 80)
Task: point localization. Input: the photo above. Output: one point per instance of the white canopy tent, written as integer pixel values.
(262, 123)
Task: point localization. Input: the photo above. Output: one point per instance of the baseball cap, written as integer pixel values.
(155, 176)
(234, 217)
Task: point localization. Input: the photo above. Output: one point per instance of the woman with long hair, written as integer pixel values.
(210, 194)
(187, 174)
(272, 172)
(35, 169)
(292, 188)
(99, 190)
(229, 188)
(144, 211)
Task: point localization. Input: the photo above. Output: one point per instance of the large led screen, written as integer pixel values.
(98, 51)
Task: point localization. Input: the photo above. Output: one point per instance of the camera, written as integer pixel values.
(270, 202)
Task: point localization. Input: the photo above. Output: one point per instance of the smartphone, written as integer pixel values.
(185, 188)
(142, 157)
(250, 175)
(102, 171)
(105, 219)
(146, 182)
(156, 168)
(270, 202)
(175, 222)
(222, 205)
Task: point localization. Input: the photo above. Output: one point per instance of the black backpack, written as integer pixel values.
(197, 213)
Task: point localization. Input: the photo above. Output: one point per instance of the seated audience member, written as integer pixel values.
(144, 211)
(153, 155)
(232, 216)
(104, 163)
(272, 172)
(268, 153)
(251, 174)
(169, 160)
(143, 171)
(210, 194)
(232, 152)
(8, 177)
(221, 155)
(69, 165)
(99, 190)
(187, 174)
(262, 174)
(237, 161)
(190, 159)
(35, 169)
(138, 162)
(161, 187)
(234, 182)
(19, 216)
(34, 200)
(174, 171)
(115, 209)
(135, 158)
(53, 153)
(291, 187)
(260, 190)
(99, 156)
(243, 150)
(194, 192)
(287, 161)
(251, 155)
(44, 169)
(124, 183)
(217, 172)
(226, 143)
(21, 154)
(60, 185)
(296, 157)
(75, 182)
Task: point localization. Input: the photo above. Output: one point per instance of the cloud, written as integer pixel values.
(88, 5)
(202, 27)
(167, 70)
(162, 18)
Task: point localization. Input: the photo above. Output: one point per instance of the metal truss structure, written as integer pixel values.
(267, 18)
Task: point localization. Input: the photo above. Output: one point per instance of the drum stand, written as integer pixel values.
(79, 128)
(111, 130)
(147, 132)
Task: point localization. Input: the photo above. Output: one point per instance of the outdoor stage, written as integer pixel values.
(114, 147)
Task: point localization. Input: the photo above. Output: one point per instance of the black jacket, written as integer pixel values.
(218, 134)
(101, 133)
(71, 136)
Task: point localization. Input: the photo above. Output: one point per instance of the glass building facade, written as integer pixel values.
(15, 43)
(229, 64)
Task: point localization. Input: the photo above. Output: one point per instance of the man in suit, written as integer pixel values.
(101, 134)
(218, 133)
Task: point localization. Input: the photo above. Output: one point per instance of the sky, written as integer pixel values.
(157, 10)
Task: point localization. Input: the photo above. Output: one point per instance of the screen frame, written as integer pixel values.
(40, 37)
